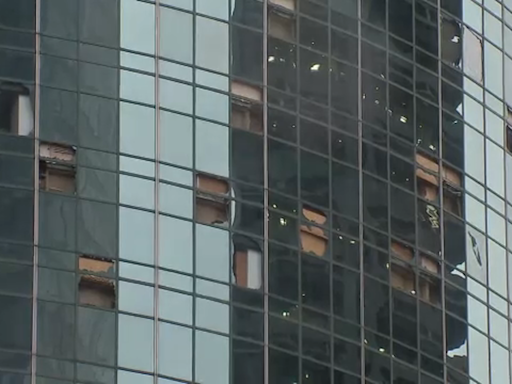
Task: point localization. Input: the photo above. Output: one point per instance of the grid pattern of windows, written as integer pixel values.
(255, 191)
(77, 144)
(17, 78)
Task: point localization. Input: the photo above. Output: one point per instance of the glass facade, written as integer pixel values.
(255, 191)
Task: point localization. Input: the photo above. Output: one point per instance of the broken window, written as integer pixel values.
(472, 55)
(427, 190)
(246, 109)
(428, 264)
(313, 238)
(247, 268)
(508, 126)
(281, 24)
(404, 277)
(57, 168)
(452, 199)
(451, 47)
(212, 200)
(95, 287)
(405, 254)
(429, 289)
(402, 252)
(427, 174)
(286, 4)
(16, 113)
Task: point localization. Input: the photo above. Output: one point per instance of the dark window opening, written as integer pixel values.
(16, 112)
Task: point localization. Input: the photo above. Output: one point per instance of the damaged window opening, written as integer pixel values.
(94, 288)
(286, 4)
(427, 173)
(281, 24)
(472, 54)
(16, 112)
(212, 200)
(403, 279)
(313, 238)
(451, 47)
(57, 172)
(403, 276)
(508, 127)
(246, 109)
(247, 268)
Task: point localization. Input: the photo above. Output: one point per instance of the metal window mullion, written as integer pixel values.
(298, 169)
(156, 248)
(507, 243)
(194, 195)
(360, 174)
(330, 194)
(416, 252)
(441, 189)
(266, 322)
(35, 272)
(388, 147)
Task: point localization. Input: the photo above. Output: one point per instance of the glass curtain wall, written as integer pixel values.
(255, 192)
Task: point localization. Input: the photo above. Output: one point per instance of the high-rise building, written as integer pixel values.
(255, 191)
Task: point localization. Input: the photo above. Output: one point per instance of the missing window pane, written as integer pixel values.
(406, 271)
(287, 4)
(427, 173)
(428, 191)
(247, 268)
(16, 112)
(57, 171)
(212, 185)
(55, 179)
(281, 25)
(87, 264)
(313, 239)
(314, 215)
(402, 252)
(429, 290)
(246, 116)
(212, 202)
(428, 170)
(508, 127)
(246, 109)
(246, 91)
(403, 279)
(429, 264)
(94, 288)
(452, 199)
(211, 212)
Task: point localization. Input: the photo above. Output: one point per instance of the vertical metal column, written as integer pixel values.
(156, 193)
(35, 271)
(265, 199)
(360, 173)
(441, 182)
